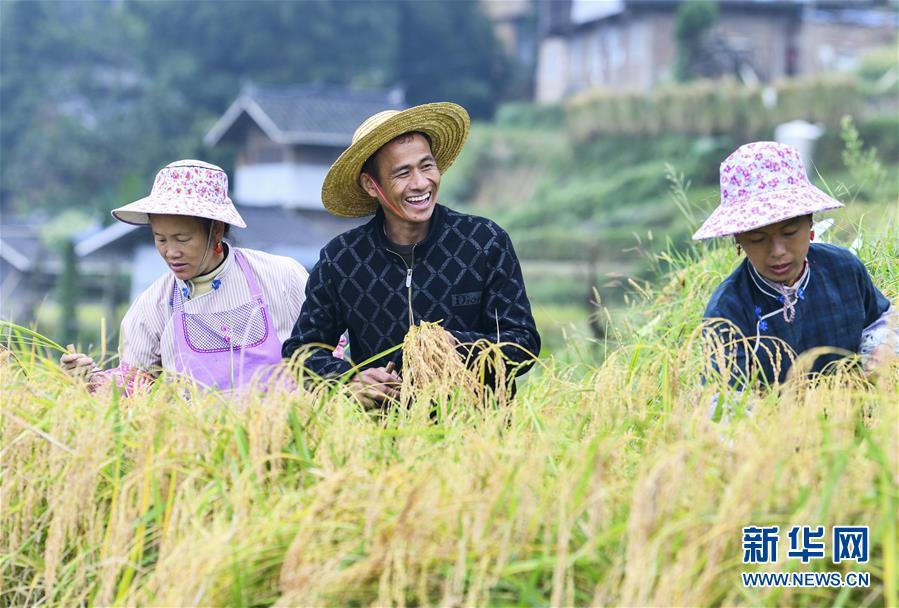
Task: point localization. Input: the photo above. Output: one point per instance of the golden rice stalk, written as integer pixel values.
(431, 359)
(435, 363)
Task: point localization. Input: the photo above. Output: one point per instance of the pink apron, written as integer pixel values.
(229, 349)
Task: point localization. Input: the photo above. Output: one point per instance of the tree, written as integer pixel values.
(694, 20)
(68, 294)
(97, 96)
(61, 91)
(447, 51)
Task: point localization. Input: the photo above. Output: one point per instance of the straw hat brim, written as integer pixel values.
(138, 212)
(447, 124)
(764, 210)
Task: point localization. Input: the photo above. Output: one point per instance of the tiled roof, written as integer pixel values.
(20, 243)
(298, 233)
(308, 114)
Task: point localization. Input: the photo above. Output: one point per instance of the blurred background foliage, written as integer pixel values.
(96, 96)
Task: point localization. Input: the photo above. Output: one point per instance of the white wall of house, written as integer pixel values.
(287, 184)
(552, 70)
(637, 51)
(269, 173)
(608, 54)
(147, 266)
(12, 280)
(832, 45)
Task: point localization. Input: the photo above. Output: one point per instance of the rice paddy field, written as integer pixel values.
(601, 483)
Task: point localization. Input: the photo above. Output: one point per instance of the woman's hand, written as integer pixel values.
(880, 358)
(75, 364)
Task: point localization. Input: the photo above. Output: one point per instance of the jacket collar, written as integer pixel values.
(437, 220)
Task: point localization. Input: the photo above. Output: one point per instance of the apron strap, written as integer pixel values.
(177, 300)
(249, 275)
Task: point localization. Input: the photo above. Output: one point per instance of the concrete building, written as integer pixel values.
(630, 44)
(28, 270)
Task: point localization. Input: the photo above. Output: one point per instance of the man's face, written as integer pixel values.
(778, 251)
(408, 178)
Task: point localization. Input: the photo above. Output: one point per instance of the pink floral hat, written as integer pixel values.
(185, 187)
(762, 183)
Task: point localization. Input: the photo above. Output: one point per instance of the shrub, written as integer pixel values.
(531, 116)
(721, 107)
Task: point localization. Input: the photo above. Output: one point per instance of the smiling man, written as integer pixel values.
(415, 261)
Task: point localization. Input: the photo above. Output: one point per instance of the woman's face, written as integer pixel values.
(185, 245)
(778, 251)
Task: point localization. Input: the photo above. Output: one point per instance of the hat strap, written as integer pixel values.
(385, 200)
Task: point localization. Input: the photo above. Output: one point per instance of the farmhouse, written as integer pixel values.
(283, 140)
(630, 44)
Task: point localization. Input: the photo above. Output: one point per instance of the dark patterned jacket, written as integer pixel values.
(837, 304)
(465, 274)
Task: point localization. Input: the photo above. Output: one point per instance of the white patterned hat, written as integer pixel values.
(762, 183)
(185, 187)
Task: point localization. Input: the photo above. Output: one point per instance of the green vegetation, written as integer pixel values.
(97, 96)
(598, 484)
(694, 20)
(724, 107)
(68, 296)
(591, 210)
(864, 166)
(591, 215)
(603, 482)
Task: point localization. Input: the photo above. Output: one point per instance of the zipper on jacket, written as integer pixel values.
(409, 286)
(408, 280)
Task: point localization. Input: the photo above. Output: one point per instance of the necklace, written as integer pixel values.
(788, 296)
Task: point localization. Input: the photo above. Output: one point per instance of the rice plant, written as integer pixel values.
(610, 486)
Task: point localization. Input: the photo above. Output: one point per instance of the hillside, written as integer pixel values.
(588, 216)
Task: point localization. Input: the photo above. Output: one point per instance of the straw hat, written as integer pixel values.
(762, 183)
(185, 187)
(447, 125)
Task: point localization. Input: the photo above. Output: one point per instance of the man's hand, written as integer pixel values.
(375, 384)
(77, 364)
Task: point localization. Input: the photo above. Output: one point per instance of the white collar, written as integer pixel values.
(779, 289)
(217, 274)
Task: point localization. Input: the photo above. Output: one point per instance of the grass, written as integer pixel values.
(603, 482)
(598, 484)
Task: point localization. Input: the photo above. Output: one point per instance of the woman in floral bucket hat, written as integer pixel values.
(789, 291)
(222, 312)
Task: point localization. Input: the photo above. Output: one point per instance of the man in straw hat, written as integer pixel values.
(415, 261)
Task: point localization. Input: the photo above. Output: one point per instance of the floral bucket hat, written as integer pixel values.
(762, 183)
(185, 187)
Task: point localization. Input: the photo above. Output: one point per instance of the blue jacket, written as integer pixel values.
(838, 303)
(465, 274)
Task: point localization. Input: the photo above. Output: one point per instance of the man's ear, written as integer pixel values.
(368, 184)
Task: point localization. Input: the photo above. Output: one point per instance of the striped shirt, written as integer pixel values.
(146, 339)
